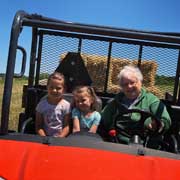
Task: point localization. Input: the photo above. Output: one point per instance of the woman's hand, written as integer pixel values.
(153, 126)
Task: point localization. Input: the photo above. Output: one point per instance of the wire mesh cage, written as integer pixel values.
(104, 58)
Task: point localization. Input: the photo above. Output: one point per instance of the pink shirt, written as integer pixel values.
(53, 115)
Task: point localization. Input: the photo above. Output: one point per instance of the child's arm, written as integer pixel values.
(97, 119)
(65, 130)
(93, 128)
(39, 124)
(76, 125)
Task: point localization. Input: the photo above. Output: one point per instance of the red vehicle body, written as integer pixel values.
(32, 160)
(27, 156)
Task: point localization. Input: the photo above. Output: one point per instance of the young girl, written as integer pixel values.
(84, 114)
(53, 112)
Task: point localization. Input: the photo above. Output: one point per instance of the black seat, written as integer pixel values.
(74, 70)
(172, 136)
(27, 118)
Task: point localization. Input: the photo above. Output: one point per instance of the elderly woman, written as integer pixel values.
(134, 96)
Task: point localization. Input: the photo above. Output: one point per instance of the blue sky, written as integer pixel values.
(155, 15)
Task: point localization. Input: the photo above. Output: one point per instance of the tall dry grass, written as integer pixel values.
(16, 101)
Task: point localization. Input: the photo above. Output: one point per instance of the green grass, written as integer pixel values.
(16, 101)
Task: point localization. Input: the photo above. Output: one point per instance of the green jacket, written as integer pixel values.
(147, 101)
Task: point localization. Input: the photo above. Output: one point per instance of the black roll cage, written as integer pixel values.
(37, 22)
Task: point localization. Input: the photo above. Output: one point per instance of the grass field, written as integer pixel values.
(16, 102)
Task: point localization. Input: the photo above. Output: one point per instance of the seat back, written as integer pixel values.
(74, 70)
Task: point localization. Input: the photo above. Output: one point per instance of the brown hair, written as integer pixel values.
(58, 76)
(89, 91)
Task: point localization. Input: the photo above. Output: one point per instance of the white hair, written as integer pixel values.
(130, 69)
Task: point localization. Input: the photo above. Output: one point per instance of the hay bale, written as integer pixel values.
(43, 82)
(116, 65)
(114, 89)
(148, 69)
(155, 90)
(97, 67)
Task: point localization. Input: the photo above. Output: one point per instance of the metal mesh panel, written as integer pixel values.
(121, 55)
(95, 54)
(157, 66)
(53, 48)
(166, 60)
(125, 51)
(157, 63)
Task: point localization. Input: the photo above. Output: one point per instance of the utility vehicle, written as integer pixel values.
(92, 55)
